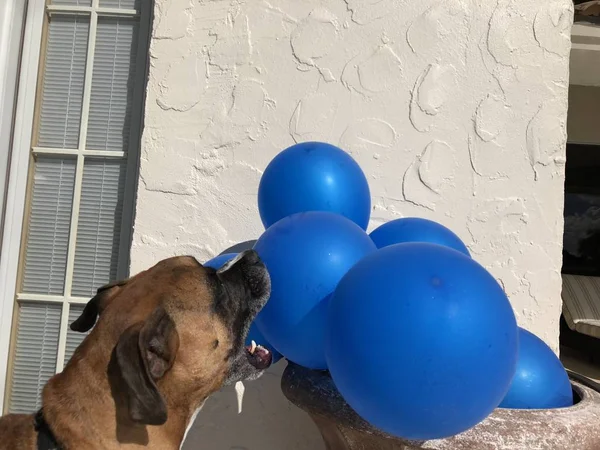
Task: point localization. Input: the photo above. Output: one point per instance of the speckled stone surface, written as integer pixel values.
(575, 428)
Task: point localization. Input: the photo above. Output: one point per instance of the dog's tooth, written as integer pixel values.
(253, 347)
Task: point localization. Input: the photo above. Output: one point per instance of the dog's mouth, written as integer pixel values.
(258, 356)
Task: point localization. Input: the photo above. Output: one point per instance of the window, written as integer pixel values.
(83, 170)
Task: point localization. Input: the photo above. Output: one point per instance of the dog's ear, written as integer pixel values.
(95, 306)
(144, 353)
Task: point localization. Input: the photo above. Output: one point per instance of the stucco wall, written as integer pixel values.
(456, 110)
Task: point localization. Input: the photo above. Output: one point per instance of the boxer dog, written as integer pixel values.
(164, 341)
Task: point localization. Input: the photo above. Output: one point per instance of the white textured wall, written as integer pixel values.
(456, 110)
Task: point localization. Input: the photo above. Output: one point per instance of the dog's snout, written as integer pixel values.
(259, 282)
(249, 269)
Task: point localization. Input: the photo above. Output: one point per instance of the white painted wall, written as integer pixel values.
(456, 110)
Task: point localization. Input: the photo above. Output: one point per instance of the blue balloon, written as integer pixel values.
(314, 176)
(218, 261)
(422, 341)
(414, 229)
(306, 255)
(254, 333)
(541, 381)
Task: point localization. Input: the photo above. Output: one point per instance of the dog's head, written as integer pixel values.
(179, 329)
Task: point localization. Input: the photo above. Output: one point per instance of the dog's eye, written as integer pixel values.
(215, 343)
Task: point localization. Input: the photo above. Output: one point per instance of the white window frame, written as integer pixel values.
(22, 155)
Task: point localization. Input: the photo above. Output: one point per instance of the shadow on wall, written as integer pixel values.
(268, 420)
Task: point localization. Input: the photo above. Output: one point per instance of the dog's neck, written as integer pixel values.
(83, 411)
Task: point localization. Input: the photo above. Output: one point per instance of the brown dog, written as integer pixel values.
(165, 340)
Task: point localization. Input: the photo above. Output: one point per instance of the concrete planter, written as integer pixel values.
(574, 428)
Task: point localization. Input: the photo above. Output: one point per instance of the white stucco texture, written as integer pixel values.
(455, 109)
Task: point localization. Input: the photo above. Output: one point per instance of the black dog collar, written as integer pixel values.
(45, 437)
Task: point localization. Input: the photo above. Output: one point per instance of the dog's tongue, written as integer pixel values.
(259, 356)
(264, 355)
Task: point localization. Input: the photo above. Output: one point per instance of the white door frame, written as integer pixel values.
(18, 172)
(12, 21)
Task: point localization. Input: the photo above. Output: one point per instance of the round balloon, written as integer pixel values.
(414, 229)
(314, 176)
(306, 255)
(421, 341)
(219, 261)
(254, 333)
(541, 381)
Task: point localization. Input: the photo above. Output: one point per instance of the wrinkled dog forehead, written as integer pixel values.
(242, 283)
(179, 283)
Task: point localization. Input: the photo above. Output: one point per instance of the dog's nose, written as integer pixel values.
(251, 257)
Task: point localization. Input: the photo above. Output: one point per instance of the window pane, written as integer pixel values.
(35, 354)
(62, 85)
(73, 337)
(99, 226)
(48, 227)
(122, 4)
(112, 84)
(72, 2)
